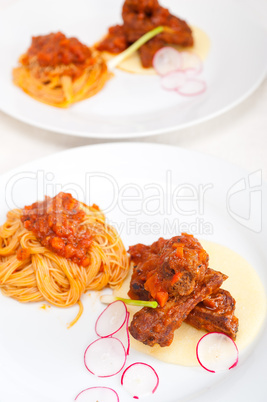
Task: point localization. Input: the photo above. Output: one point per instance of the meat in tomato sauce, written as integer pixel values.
(215, 314)
(57, 224)
(175, 273)
(139, 17)
(167, 268)
(157, 326)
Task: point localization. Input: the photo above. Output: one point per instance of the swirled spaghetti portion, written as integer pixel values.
(60, 71)
(82, 252)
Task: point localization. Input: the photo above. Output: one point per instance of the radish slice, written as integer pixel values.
(111, 319)
(123, 334)
(191, 61)
(140, 379)
(192, 87)
(166, 60)
(173, 80)
(94, 394)
(105, 357)
(217, 352)
(190, 73)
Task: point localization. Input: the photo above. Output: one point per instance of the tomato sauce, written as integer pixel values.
(57, 224)
(23, 254)
(56, 49)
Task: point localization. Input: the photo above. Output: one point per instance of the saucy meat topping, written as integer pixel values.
(215, 314)
(57, 224)
(139, 17)
(167, 268)
(157, 326)
(175, 272)
(56, 50)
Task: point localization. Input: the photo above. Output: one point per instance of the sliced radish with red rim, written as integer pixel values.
(123, 334)
(101, 394)
(192, 87)
(140, 379)
(173, 80)
(217, 352)
(111, 319)
(166, 60)
(190, 73)
(191, 61)
(105, 357)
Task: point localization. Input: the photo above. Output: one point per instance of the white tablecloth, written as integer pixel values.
(238, 136)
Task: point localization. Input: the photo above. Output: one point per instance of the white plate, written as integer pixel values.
(132, 105)
(40, 359)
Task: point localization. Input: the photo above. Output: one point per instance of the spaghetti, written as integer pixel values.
(91, 255)
(60, 71)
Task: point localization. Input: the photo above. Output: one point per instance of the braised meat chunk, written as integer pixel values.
(215, 314)
(167, 268)
(115, 41)
(175, 273)
(139, 17)
(152, 326)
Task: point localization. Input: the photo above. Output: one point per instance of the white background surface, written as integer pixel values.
(239, 136)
